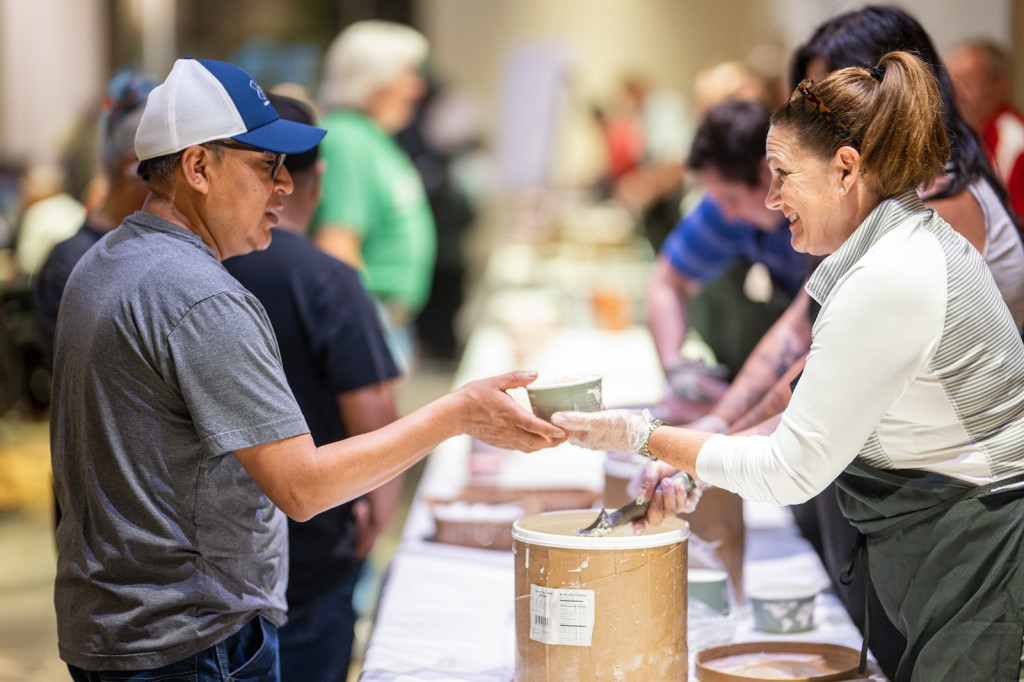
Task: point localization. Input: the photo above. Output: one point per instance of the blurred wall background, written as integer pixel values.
(56, 55)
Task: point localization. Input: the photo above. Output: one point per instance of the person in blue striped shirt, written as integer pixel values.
(699, 273)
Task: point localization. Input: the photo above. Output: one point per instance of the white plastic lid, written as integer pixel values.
(558, 529)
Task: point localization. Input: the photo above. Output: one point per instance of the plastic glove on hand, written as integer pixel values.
(616, 430)
(695, 380)
(671, 496)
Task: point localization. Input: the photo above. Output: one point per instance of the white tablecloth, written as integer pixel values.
(448, 612)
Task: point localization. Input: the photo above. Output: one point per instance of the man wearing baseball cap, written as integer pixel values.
(176, 441)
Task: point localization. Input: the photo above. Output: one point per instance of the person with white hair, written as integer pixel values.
(374, 213)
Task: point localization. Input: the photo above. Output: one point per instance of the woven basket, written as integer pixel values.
(496, 533)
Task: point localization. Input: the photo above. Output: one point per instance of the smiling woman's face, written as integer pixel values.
(806, 189)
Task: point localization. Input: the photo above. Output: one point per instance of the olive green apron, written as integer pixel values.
(947, 562)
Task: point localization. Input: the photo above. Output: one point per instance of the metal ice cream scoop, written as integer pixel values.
(632, 511)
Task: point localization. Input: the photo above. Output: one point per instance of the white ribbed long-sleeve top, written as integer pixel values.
(915, 363)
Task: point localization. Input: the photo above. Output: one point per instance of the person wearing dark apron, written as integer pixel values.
(947, 562)
(912, 396)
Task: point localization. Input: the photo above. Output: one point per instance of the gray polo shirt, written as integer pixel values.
(164, 365)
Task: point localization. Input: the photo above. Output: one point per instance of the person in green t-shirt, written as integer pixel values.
(374, 213)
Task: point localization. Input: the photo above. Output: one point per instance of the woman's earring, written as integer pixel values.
(842, 190)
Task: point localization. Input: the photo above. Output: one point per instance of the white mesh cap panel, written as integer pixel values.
(190, 107)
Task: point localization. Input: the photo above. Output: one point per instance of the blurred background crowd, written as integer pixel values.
(528, 104)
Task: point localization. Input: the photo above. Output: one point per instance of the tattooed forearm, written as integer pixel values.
(774, 401)
(770, 363)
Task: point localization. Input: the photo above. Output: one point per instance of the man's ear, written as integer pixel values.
(195, 166)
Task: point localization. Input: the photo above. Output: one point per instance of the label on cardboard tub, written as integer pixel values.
(561, 616)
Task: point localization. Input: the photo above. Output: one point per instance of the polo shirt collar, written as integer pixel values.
(887, 215)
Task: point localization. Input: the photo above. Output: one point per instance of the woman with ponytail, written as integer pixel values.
(912, 397)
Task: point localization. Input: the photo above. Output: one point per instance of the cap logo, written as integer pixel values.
(259, 92)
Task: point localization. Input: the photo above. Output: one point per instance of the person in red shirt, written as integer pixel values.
(982, 85)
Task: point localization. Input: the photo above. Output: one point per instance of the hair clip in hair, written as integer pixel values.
(804, 89)
(877, 72)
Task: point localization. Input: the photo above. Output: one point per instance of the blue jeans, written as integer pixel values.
(249, 655)
(316, 642)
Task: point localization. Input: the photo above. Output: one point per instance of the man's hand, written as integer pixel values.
(491, 415)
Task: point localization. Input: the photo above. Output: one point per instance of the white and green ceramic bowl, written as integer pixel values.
(564, 394)
(783, 609)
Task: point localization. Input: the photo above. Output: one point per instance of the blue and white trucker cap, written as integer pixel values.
(203, 100)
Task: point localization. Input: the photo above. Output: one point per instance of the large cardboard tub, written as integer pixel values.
(599, 608)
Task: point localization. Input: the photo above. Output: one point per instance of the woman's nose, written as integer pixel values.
(773, 200)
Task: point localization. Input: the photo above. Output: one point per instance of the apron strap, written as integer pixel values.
(1004, 485)
(859, 554)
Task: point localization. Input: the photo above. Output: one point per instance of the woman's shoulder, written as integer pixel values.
(965, 214)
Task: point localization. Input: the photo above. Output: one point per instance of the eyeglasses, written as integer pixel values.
(805, 89)
(278, 156)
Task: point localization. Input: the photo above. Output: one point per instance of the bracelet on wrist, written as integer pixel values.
(651, 425)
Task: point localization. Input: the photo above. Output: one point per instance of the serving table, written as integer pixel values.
(447, 612)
